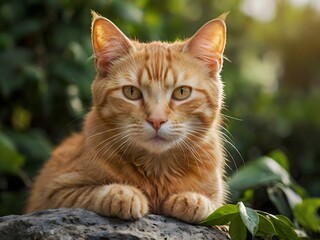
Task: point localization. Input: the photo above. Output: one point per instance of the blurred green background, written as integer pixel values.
(272, 78)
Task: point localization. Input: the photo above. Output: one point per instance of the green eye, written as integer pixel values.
(132, 92)
(181, 93)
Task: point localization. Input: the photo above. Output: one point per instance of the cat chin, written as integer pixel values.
(157, 145)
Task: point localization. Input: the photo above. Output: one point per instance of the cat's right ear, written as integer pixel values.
(109, 43)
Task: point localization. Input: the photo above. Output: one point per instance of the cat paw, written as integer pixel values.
(124, 202)
(189, 207)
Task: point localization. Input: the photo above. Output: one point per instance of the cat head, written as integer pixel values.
(158, 96)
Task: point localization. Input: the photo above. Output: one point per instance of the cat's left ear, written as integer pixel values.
(208, 43)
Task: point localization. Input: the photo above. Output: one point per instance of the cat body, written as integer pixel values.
(151, 142)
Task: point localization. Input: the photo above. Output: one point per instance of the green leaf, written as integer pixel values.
(306, 214)
(10, 160)
(279, 200)
(293, 198)
(249, 217)
(283, 229)
(266, 228)
(246, 196)
(281, 158)
(284, 199)
(285, 219)
(221, 216)
(33, 144)
(237, 229)
(263, 171)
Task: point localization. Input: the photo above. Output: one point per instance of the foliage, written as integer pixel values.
(307, 215)
(258, 223)
(287, 196)
(12, 161)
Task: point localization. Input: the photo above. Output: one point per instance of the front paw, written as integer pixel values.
(189, 207)
(124, 202)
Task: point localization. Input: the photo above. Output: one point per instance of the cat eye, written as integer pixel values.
(181, 93)
(132, 92)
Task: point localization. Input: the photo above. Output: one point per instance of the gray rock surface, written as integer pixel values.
(77, 224)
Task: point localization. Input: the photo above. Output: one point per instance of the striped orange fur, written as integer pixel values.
(151, 142)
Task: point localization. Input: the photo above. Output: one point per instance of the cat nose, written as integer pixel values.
(156, 122)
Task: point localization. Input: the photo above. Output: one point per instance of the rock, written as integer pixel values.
(78, 223)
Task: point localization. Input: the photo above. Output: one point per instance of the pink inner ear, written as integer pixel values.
(208, 43)
(113, 50)
(109, 44)
(203, 48)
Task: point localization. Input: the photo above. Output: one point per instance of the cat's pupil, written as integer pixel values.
(131, 90)
(181, 90)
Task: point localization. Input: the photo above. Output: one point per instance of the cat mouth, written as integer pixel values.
(157, 138)
(157, 144)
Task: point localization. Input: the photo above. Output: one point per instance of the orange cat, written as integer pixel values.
(151, 142)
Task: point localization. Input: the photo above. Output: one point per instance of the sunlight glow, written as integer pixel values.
(262, 10)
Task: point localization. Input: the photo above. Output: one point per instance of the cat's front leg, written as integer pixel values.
(121, 201)
(190, 207)
(113, 200)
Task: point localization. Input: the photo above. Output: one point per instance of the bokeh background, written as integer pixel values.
(272, 78)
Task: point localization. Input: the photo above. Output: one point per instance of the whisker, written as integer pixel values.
(230, 117)
(115, 151)
(195, 155)
(108, 130)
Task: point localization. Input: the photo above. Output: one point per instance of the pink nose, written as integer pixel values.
(156, 122)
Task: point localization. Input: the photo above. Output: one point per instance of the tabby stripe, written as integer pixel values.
(209, 100)
(149, 72)
(139, 76)
(174, 203)
(101, 195)
(166, 72)
(82, 197)
(110, 90)
(70, 199)
(90, 199)
(169, 57)
(61, 198)
(175, 76)
(146, 54)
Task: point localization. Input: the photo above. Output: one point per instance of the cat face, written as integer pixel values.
(158, 96)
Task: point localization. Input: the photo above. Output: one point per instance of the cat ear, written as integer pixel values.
(109, 43)
(208, 43)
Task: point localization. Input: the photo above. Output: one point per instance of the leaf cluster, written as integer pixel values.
(242, 219)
